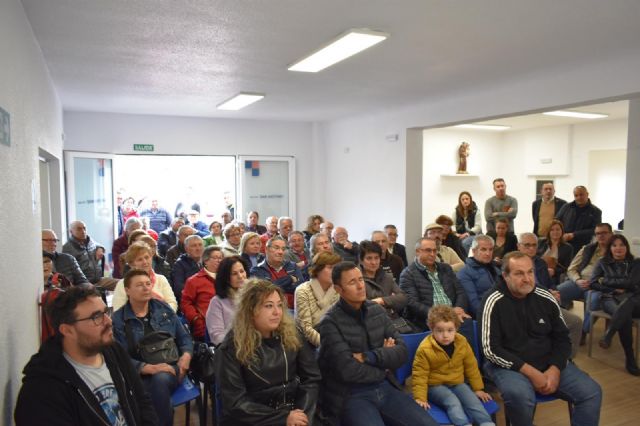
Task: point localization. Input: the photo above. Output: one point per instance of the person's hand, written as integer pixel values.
(484, 397)
(359, 357)
(300, 264)
(297, 417)
(583, 284)
(556, 294)
(347, 244)
(378, 300)
(552, 271)
(463, 236)
(461, 313)
(567, 237)
(152, 369)
(183, 365)
(536, 377)
(423, 404)
(99, 253)
(553, 378)
(389, 342)
(495, 214)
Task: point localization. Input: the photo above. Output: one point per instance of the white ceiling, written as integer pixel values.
(183, 57)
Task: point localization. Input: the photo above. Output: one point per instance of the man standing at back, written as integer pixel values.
(500, 205)
(544, 210)
(579, 218)
(359, 350)
(80, 376)
(526, 344)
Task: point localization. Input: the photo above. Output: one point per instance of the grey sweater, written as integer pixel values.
(496, 205)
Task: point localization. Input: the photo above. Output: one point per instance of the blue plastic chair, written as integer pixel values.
(412, 341)
(186, 392)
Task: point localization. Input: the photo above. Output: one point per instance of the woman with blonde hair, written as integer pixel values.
(250, 246)
(313, 227)
(139, 255)
(266, 373)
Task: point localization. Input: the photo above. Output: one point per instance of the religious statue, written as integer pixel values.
(463, 152)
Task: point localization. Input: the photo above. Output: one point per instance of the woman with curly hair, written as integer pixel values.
(467, 220)
(266, 373)
(313, 227)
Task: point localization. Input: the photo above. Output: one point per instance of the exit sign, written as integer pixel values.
(143, 147)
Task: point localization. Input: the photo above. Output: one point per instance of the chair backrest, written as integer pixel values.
(412, 341)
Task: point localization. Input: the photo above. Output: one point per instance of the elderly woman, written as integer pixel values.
(140, 256)
(198, 291)
(467, 219)
(216, 238)
(556, 252)
(449, 237)
(313, 298)
(318, 243)
(313, 227)
(381, 287)
(267, 373)
(232, 236)
(142, 319)
(250, 246)
(505, 241)
(160, 266)
(232, 273)
(617, 276)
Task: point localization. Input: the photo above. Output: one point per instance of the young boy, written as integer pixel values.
(443, 360)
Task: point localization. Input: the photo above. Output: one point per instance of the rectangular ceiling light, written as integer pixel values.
(344, 46)
(482, 127)
(576, 114)
(240, 101)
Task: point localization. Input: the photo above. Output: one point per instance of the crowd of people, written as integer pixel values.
(308, 324)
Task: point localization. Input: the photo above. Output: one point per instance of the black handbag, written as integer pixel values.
(203, 362)
(155, 348)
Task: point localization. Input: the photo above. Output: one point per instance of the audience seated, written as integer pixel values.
(555, 252)
(272, 230)
(449, 238)
(231, 276)
(313, 298)
(177, 250)
(313, 227)
(188, 264)
(169, 237)
(198, 291)
(232, 236)
(318, 243)
(201, 228)
(121, 244)
(445, 254)
(215, 238)
(617, 276)
(544, 209)
(298, 253)
(500, 206)
(390, 262)
(326, 228)
(394, 246)
(266, 372)
(253, 224)
(347, 250)
(480, 274)
(504, 241)
(141, 316)
(139, 256)
(429, 283)
(467, 219)
(285, 226)
(250, 245)
(63, 263)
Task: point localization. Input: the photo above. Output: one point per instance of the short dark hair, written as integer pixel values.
(497, 180)
(605, 225)
(206, 254)
(134, 273)
(443, 219)
(336, 274)
(60, 310)
(367, 246)
(619, 237)
(506, 269)
(223, 276)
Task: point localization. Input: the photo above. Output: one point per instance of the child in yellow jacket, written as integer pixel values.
(442, 362)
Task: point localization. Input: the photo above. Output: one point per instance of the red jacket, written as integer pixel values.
(198, 291)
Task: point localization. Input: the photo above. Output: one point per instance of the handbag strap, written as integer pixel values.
(132, 346)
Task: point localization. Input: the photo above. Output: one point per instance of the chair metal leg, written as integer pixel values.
(592, 320)
(187, 416)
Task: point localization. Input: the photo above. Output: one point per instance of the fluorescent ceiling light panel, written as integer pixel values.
(494, 127)
(347, 44)
(576, 114)
(240, 101)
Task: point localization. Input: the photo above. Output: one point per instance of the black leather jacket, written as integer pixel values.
(264, 393)
(610, 275)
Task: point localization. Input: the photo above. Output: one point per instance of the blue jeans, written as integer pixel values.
(160, 386)
(520, 398)
(460, 401)
(383, 404)
(569, 291)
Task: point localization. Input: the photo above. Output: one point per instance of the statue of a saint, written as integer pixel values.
(463, 152)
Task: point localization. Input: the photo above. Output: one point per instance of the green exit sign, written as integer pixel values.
(143, 147)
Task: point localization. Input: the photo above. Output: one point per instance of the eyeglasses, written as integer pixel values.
(429, 250)
(50, 240)
(97, 318)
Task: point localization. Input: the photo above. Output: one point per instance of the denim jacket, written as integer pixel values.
(162, 319)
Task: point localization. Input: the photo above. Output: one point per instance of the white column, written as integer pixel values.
(632, 199)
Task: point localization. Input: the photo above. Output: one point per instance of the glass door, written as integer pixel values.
(266, 185)
(89, 183)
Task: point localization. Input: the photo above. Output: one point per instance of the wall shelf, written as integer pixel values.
(459, 175)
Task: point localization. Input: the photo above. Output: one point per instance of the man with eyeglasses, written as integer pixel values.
(580, 270)
(283, 273)
(80, 376)
(63, 263)
(394, 246)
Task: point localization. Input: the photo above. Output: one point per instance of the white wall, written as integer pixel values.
(618, 78)
(116, 133)
(509, 155)
(27, 93)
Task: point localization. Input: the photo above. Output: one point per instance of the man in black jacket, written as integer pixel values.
(359, 350)
(81, 376)
(579, 218)
(526, 344)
